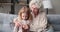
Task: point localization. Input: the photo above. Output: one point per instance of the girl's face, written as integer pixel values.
(24, 16)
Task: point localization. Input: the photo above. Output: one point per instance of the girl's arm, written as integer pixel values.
(16, 22)
(15, 29)
(15, 25)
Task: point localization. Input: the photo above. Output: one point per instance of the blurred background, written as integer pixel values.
(12, 7)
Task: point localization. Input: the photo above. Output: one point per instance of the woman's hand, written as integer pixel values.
(25, 27)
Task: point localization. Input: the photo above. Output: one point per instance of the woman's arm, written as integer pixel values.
(43, 22)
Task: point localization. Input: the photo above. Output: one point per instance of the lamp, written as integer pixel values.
(47, 5)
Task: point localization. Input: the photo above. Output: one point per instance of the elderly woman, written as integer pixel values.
(39, 23)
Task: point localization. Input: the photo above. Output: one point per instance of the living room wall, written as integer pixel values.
(56, 7)
(55, 10)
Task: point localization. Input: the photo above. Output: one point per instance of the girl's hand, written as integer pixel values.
(25, 26)
(18, 24)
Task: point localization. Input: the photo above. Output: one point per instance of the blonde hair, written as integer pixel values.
(25, 9)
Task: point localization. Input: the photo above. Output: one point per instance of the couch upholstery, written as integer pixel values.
(54, 20)
(6, 20)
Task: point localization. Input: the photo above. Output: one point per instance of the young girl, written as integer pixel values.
(24, 18)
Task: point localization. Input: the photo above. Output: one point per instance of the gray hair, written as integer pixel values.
(38, 3)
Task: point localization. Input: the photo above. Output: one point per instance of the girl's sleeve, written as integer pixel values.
(15, 29)
(14, 20)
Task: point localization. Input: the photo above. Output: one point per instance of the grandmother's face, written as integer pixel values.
(34, 9)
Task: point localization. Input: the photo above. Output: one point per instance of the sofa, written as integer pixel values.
(54, 20)
(6, 21)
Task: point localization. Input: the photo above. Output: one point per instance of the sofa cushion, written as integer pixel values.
(56, 31)
(56, 27)
(54, 19)
(5, 20)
